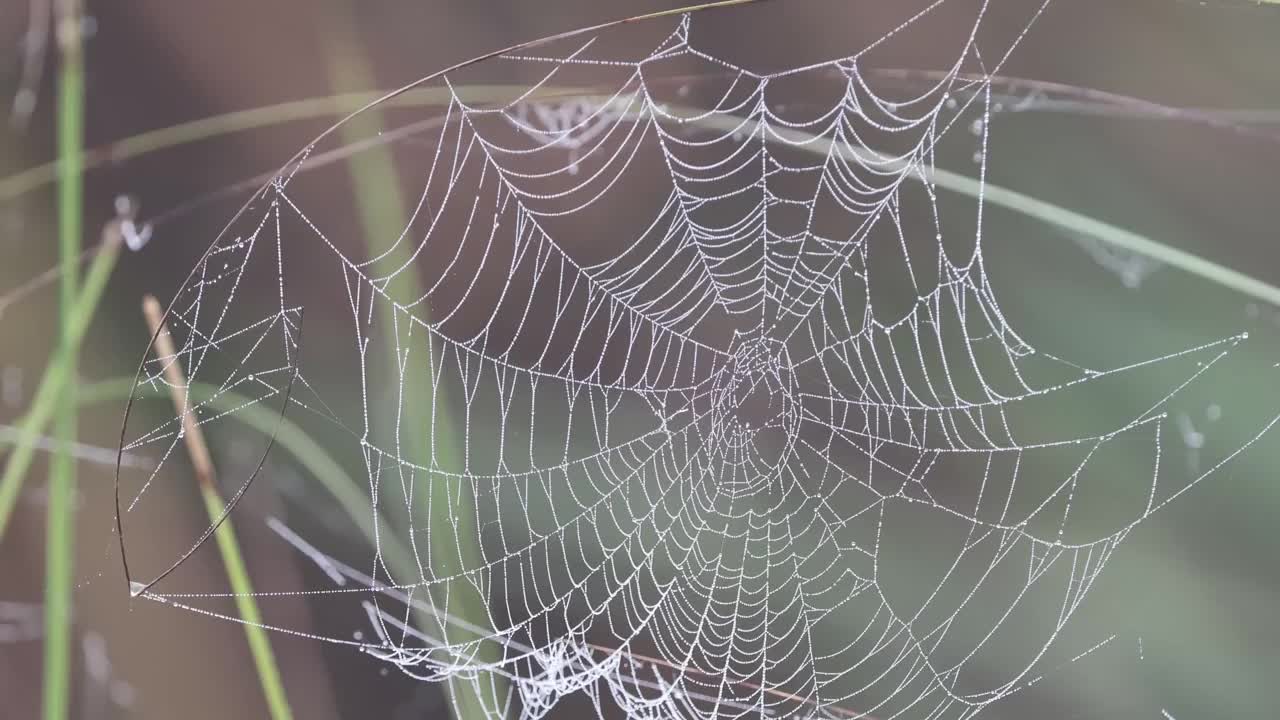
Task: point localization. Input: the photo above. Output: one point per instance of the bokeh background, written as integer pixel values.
(1191, 597)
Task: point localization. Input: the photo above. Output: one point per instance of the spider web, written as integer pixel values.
(673, 376)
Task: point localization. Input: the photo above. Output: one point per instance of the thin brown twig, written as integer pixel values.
(192, 435)
(255, 631)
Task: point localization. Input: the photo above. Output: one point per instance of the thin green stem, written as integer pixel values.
(453, 538)
(216, 126)
(1021, 203)
(56, 377)
(60, 525)
(314, 459)
(264, 659)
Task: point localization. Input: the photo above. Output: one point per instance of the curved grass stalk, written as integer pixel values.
(1023, 204)
(1050, 213)
(208, 128)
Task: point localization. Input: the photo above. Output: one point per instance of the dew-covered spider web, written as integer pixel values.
(678, 388)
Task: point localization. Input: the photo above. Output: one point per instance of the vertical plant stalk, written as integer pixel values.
(449, 505)
(48, 393)
(60, 525)
(259, 645)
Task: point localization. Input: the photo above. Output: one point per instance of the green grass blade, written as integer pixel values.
(454, 538)
(55, 378)
(216, 126)
(313, 458)
(60, 526)
(1113, 235)
(31, 179)
(264, 660)
(317, 463)
(1012, 200)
